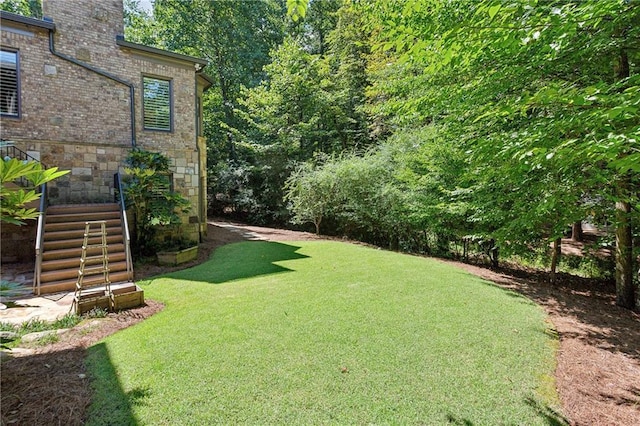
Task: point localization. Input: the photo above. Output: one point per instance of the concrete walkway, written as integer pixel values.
(48, 308)
(25, 306)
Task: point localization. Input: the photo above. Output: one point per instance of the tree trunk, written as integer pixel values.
(576, 232)
(555, 257)
(625, 290)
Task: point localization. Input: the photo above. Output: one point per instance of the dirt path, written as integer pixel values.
(598, 371)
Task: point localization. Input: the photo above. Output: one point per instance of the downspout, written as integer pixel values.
(103, 74)
(201, 196)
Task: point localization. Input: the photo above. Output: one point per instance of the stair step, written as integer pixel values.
(115, 289)
(77, 233)
(82, 208)
(72, 226)
(70, 284)
(74, 262)
(62, 249)
(72, 273)
(82, 217)
(93, 241)
(76, 252)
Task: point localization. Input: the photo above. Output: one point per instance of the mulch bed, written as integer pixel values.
(597, 375)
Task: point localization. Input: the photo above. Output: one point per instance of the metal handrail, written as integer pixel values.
(8, 149)
(119, 198)
(44, 201)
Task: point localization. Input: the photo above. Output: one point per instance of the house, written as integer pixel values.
(75, 94)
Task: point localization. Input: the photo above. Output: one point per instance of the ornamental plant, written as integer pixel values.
(148, 193)
(19, 181)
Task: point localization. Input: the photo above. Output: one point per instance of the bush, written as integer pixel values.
(147, 191)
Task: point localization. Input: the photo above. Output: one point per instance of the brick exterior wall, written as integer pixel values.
(78, 120)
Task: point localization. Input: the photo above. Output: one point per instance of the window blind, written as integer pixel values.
(157, 104)
(9, 83)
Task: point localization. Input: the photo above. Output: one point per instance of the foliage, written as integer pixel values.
(19, 186)
(235, 37)
(313, 332)
(311, 193)
(29, 8)
(12, 289)
(96, 312)
(148, 192)
(35, 325)
(530, 92)
(302, 110)
(139, 25)
(486, 120)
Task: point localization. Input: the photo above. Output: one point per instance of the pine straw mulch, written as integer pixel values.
(598, 370)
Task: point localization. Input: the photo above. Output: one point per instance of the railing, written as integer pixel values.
(119, 198)
(8, 151)
(44, 202)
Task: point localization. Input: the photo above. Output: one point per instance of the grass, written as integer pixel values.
(36, 324)
(326, 333)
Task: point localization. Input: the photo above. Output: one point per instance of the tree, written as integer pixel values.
(139, 24)
(30, 8)
(235, 37)
(311, 193)
(527, 89)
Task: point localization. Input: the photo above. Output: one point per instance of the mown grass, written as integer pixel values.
(326, 333)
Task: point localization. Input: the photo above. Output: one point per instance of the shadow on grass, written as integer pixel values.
(110, 403)
(453, 420)
(552, 417)
(241, 260)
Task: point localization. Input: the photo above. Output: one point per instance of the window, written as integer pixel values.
(9, 87)
(156, 104)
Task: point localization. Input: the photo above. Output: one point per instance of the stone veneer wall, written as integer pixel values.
(77, 120)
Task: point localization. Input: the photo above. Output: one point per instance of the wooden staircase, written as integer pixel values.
(64, 230)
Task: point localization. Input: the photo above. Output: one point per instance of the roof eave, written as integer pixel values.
(208, 81)
(120, 41)
(24, 20)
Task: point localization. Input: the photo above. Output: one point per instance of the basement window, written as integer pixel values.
(156, 106)
(9, 84)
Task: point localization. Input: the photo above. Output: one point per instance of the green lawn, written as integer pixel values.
(326, 333)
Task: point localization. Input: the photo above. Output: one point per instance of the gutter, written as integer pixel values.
(102, 73)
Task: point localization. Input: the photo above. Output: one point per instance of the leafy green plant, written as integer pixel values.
(14, 198)
(67, 321)
(36, 325)
(48, 339)
(96, 313)
(148, 192)
(11, 289)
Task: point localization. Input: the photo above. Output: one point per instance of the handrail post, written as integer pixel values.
(44, 201)
(117, 185)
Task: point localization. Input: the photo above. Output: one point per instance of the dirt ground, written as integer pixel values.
(598, 363)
